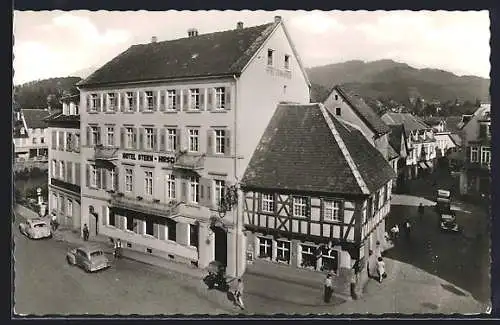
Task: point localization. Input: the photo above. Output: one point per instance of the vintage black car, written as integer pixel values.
(447, 217)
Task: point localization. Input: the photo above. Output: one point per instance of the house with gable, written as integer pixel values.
(30, 135)
(316, 196)
(168, 129)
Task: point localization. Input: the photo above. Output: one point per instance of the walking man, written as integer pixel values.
(238, 294)
(407, 227)
(327, 295)
(381, 269)
(395, 232)
(421, 211)
(85, 232)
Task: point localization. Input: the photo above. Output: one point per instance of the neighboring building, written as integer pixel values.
(168, 130)
(316, 194)
(64, 162)
(350, 107)
(475, 176)
(398, 144)
(30, 135)
(421, 143)
(444, 138)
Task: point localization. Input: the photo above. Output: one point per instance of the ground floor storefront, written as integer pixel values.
(65, 205)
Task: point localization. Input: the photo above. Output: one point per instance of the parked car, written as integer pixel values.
(35, 229)
(448, 223)
(90, 258)
(447, 218)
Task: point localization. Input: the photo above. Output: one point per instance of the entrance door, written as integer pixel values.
(220, 245)
(92, 225)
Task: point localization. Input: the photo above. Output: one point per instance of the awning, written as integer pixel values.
(422, 165)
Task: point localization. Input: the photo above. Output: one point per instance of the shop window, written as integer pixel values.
(308, 257)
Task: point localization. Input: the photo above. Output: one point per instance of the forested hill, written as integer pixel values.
(37, 94)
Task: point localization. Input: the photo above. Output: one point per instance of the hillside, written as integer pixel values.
(35, 94)
(400, 82)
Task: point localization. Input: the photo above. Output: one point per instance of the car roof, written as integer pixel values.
(90, 248)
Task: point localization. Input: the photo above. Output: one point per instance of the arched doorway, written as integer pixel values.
(220, 245)
(93, 221)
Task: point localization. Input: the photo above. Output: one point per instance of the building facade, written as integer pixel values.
(476, 172)
(30, 135)
(445, 142)
(64, 163)
(168, 129)
(316, 195)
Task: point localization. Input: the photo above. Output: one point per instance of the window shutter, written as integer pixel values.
(178, 140)
(178, 100)
(162, 139)
(104, 177)
(155, 101)
(135, 144)
(185, 100)
(100, 132)
(69, 172)
(87, 176)
(77, 173)
(155, 230)
(54, 139)
(141, 138)
(56, 169)
(155, 139)
(99, 178)
(227, 93)
(210, 99)
(135, 101)
(89, 141)
(101, 102)
(122, 137)
(162, 100)
(227, 144)
(202, 99)
(161, 231)
(88, 102)
(210, 140)
(184, 190)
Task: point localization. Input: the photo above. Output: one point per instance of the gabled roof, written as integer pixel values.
(397, 131)
(411, 122)
(35, 118)
(305, 148)
(452, 123)
(204, 55)
(392, 154)
(456, 139)
(365, 112)
(60, 117)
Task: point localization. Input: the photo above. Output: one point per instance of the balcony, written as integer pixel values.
(65, 185)
(105, 153)
(170, 210)
(189, 161)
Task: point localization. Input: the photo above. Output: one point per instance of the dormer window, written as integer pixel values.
(270, 54)
(338, 111)
(287, 62)
(336, 97)
(22, 131)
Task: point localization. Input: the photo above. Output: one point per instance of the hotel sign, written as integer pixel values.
(168, 159)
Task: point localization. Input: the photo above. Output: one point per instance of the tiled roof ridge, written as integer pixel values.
(345, 151)
(257, 43)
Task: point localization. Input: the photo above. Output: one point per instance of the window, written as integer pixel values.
(149, 227)
(171, 139)
(130, 101)
(219, 191)
(69, 208)
(336, 97)
(77, 142)
(129, 179)
(42, 140)
(287, 62)
(94, 102)
(95, 135)
(329, 261)
(149, 138)
(172, 230)
(130, 138)
(53, 169)
(195, 98)
(93, 176)
(267, 203)
(69, 139)
(474, 154)
(283, 251)
(62, 170)
(194, 189)
(148, 182)
(193, 140)
(111, 102)
(149, 101)
(220, 98)
(331, 210)
(220, 137)
(338, 111)
(193, 235)
(34, 140)
(485, 155)
(110, 136)
(308, 257)
(171, 102)
(130, 223)
(284, 90)
(265, 247)
(170, 187)
(300, 207)
(270, 57)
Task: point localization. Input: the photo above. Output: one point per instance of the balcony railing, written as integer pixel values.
(141, 205)
(189, 161)
(105, 153)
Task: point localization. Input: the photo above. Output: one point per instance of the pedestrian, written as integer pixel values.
(378, 249)
(421, 211)
(328, 291)
(85, 232)
(407, 227)
(354, 295)
(369, 264)
(381, 269)
(238, 294)
(395, 232)
(118, 248)
(53, 222)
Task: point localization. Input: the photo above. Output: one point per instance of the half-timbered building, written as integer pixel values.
(316, 193)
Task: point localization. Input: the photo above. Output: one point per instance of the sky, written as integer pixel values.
(56, 43)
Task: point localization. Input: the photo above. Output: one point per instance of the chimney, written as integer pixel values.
(154, 39)
(277, 19)
(192, 32)
(239, 25)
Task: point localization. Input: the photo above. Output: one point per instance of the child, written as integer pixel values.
(381, 269)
